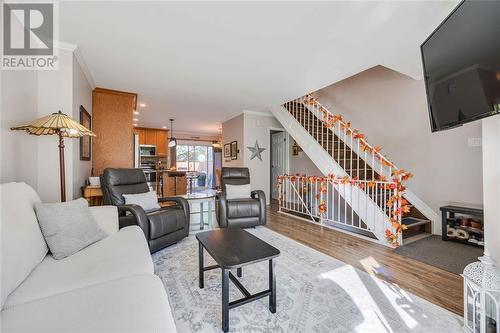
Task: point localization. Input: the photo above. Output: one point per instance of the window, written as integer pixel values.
(197, 158)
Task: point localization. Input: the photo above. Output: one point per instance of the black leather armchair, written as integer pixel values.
(162, 227)
(243, 213)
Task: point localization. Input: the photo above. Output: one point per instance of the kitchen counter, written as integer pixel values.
(171, 173)
(174, 182)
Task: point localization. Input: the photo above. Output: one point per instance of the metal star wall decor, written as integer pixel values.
(256, 150)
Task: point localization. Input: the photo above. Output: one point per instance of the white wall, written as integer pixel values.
(232, 130)
(301, 163)
(55, 93)
(28, 95)
(18, 151)
(247, 128)
(391, 109)
(258, 128)
(82, 95)
(491, 185)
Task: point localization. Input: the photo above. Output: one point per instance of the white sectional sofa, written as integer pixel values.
(107, 287)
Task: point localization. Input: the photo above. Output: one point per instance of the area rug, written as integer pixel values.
(450, 256)
(315, 293)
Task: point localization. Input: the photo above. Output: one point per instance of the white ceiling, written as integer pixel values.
(203, 62)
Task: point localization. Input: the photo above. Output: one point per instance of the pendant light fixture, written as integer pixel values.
(172, 142)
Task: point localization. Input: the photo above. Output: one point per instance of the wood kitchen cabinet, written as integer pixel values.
(161, 143)
(150, 137)
(142, 135)
(174, 184)
(153, 136)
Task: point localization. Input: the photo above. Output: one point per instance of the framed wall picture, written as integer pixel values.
(227, 150)
(85, 141)
(234, 150)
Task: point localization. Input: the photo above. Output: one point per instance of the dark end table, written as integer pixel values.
(233, 248)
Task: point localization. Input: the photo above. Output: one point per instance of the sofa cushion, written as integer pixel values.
(106, 218)
(68, 227)
(122, 254)
(242, 208)
(22, 243)
(165, 221)
(132, 304)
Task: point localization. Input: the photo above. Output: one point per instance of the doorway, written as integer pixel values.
(278, 160)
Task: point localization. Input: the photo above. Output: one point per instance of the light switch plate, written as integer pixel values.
(474, 142)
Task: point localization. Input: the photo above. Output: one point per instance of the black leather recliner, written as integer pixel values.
(243, 213)
(162, 227)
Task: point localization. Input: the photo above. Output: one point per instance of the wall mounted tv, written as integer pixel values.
(462, 65)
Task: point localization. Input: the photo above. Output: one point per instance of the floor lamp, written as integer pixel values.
(61, 125)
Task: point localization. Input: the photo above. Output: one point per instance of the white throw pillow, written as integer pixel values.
(238, 191)
(148, 201)
(67, 227)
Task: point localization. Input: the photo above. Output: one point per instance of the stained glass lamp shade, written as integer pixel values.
(57, 124)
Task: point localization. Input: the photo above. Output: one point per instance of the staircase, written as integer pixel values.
(360, 190)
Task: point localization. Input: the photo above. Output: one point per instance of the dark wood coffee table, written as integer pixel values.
(233, 248)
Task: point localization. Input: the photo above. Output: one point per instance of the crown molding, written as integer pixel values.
(231, 117)
(79, 58)
(83, 65)
(249, 112)
(64, 45)
(258, 113)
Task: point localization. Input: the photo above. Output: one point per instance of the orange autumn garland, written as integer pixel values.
(397, 199)
(399, 175)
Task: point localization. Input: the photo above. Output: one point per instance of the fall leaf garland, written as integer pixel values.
(396, 203)
(398, 175)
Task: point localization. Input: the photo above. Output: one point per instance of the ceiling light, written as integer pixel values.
(134, 124)
(135, 119)
(142, 105)
(164, 127)
(136, 112)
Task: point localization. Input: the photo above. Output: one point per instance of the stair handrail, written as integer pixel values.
(398, 175)
(356, 134)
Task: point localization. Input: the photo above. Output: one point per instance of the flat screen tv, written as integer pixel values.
(461, 61)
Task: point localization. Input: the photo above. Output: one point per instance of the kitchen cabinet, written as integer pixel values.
(174, 183)
(142, 135)
(153, 136)
(161, 143)
(150, 137)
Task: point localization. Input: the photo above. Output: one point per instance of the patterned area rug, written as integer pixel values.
(315, 293)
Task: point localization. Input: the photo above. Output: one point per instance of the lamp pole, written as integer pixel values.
(61, 166)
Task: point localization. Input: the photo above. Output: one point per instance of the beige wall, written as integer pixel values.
(391, 109)
(232, 130)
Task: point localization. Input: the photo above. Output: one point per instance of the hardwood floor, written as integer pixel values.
(433, 284)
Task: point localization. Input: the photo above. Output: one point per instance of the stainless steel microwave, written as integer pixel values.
(147, 150)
